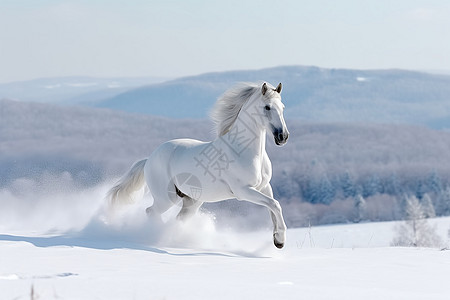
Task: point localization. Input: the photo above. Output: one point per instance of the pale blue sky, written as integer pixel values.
(49, 38)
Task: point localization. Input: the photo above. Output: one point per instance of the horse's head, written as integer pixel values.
(271, 111)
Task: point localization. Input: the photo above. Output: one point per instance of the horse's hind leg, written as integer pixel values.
(162, 202)
(190, 208)
(159, 184)
(153, 214)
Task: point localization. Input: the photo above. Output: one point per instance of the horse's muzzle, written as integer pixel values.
(281, 136)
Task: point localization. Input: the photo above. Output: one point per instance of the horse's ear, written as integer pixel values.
(264, 88)
(278, 89)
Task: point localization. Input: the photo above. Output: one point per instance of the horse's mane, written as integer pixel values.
(227, 107)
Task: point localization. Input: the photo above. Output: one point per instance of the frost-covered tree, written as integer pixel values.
(443, 206)
(319, 191)
(348, 185)
(326, 191)
(372, 186)
(392, 185)
(420, 189)
(404, 198)
(434, 183)
(286, 186)
(360, 208)
(427, 206)
(415, 231)
(309, 190)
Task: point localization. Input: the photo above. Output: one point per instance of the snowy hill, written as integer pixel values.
(310, 93)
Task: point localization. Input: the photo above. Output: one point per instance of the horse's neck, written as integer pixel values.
(245, 136)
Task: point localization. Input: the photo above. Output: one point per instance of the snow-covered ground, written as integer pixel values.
(60, 247)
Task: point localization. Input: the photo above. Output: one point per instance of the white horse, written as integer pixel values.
(234, 165)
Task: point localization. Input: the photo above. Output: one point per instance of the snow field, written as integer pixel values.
(67, 272)
(75, 251)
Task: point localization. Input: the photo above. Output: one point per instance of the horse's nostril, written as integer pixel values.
(280, 136)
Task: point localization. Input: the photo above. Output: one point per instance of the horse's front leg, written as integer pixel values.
(267, 190)
(253, 195)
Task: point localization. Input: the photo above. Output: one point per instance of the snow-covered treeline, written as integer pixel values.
(335, 164)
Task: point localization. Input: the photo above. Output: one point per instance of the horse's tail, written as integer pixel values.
(132, 181)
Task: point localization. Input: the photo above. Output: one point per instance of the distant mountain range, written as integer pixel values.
(69, 90)
(310, 94)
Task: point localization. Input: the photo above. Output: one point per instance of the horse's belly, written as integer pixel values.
(216, 192)
(200, 185)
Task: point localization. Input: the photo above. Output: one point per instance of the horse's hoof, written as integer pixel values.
(148, 211)
(277, 243)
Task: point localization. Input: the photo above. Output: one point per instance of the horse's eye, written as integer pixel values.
(267, 107)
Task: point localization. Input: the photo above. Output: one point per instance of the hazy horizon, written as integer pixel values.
(168, 78)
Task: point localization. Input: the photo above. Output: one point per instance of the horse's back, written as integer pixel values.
(184, 153)
(185, 143)
(164, 153)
